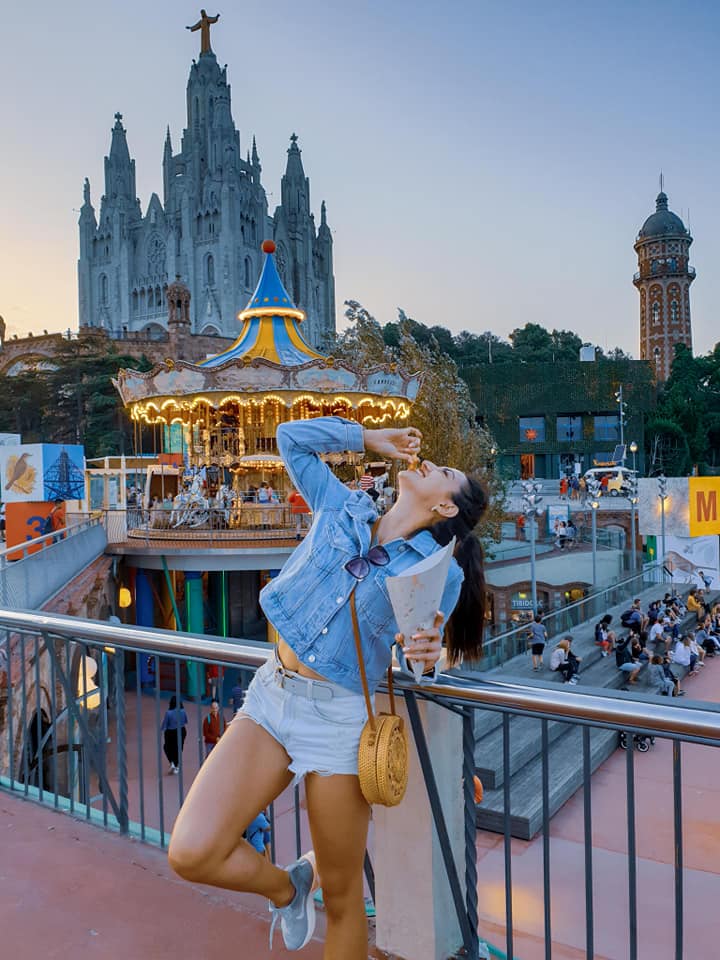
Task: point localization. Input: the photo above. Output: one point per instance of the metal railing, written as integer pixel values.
(197, 522)
(504, 646)
(33, 571)
(90, 745)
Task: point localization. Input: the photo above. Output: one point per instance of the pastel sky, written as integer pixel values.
(485, 164)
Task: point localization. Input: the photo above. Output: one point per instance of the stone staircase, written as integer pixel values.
(598, 675)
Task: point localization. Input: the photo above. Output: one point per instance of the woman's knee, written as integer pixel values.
(342, 894)
(190, 859)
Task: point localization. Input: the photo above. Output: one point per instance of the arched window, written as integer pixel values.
(134, 301)
(103, 288)
(210, 270)
(248, 271)
(158, 297)
(674, 311)
(656, 312)
(142, 300)
(242, 232)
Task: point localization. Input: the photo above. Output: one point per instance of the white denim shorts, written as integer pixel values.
(317, 722)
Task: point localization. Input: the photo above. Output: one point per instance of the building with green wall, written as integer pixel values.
(554, 418)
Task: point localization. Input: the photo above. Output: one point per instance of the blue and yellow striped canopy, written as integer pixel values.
(269, 324)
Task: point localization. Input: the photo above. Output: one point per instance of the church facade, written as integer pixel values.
(207, 229)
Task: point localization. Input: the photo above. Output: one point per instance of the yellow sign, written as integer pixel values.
(704, 505)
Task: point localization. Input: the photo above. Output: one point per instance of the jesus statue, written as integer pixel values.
(203, 25)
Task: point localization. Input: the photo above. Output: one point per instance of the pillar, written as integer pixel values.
(419, 922)
(144, 617)
(195, 619)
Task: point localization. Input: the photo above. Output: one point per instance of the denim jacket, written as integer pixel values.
(308, 601)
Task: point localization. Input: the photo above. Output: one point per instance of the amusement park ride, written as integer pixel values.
(220, 416)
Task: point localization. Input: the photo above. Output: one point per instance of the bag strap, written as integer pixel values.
(361, 664)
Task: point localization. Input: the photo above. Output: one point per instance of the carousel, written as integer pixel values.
(220, 417)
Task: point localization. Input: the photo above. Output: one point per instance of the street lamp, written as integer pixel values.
(633, 451)
(663, 495)
(593, 486)
(622, 405)
(531, 509)
(633, 497)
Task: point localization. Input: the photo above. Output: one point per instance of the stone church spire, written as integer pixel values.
(119, 168)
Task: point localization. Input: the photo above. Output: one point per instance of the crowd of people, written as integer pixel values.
(658, 638)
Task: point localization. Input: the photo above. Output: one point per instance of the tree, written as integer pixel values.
(443, 411)
(685, 428)
(75, 402)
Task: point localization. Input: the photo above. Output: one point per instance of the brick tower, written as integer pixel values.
(663, 280)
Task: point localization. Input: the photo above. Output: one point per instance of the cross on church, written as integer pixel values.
(294, 138)
(118, 116)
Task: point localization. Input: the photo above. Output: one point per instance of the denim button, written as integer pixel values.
(338, 599)
(324, 630)
(311, 658)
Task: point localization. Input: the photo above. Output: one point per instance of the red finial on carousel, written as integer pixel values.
(268, 246)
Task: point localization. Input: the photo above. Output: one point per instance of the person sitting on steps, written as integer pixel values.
(624, 660)
(561, 663)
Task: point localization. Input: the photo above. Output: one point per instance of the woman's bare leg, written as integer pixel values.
(339, 817)
(245, 772)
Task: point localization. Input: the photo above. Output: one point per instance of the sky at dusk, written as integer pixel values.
(485, 164)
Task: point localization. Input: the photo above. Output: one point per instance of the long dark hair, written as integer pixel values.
(464, 629)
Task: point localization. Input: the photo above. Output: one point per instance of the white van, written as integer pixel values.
(618, 478)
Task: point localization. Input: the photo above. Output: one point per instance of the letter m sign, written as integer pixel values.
(704, 500)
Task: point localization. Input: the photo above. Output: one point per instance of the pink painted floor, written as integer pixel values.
(654, 832)
(127, 903)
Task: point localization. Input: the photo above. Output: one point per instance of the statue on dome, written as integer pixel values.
(203, 25)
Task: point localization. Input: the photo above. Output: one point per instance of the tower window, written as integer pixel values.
(674, 311)
(656, 312)
(103, 288)
(248, 270)
(210, 270)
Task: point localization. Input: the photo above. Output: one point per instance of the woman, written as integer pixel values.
(658, 681)
(560, 661)
(604, 636)
(174, 729)
(304, 710)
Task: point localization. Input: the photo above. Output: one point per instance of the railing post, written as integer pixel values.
(424, 926)
(120, 733)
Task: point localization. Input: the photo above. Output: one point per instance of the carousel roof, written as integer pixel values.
(269, 324)
(269, 361)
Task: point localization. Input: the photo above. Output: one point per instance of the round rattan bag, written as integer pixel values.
(383, 760)
(383, 750)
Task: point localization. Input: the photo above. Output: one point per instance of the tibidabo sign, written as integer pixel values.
(704, 496)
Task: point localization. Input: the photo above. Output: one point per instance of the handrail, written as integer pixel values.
(640, 574)
(47, 539)
(700, 723)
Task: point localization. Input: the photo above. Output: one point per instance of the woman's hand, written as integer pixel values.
(396, 444)
(425, 646)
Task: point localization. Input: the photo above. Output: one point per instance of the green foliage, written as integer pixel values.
(74, 403)
(529, 344)
(685, 428)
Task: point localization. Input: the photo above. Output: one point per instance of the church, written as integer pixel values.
(206, 231)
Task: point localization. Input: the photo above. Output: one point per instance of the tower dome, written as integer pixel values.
(663, 223)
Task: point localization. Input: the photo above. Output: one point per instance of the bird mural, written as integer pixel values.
(20, 474)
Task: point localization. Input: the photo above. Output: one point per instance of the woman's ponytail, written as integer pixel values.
(464, 629)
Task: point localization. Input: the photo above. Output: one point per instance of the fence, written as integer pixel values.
(87, 750)
(34, 571)
(505, 646)
(216, 525)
